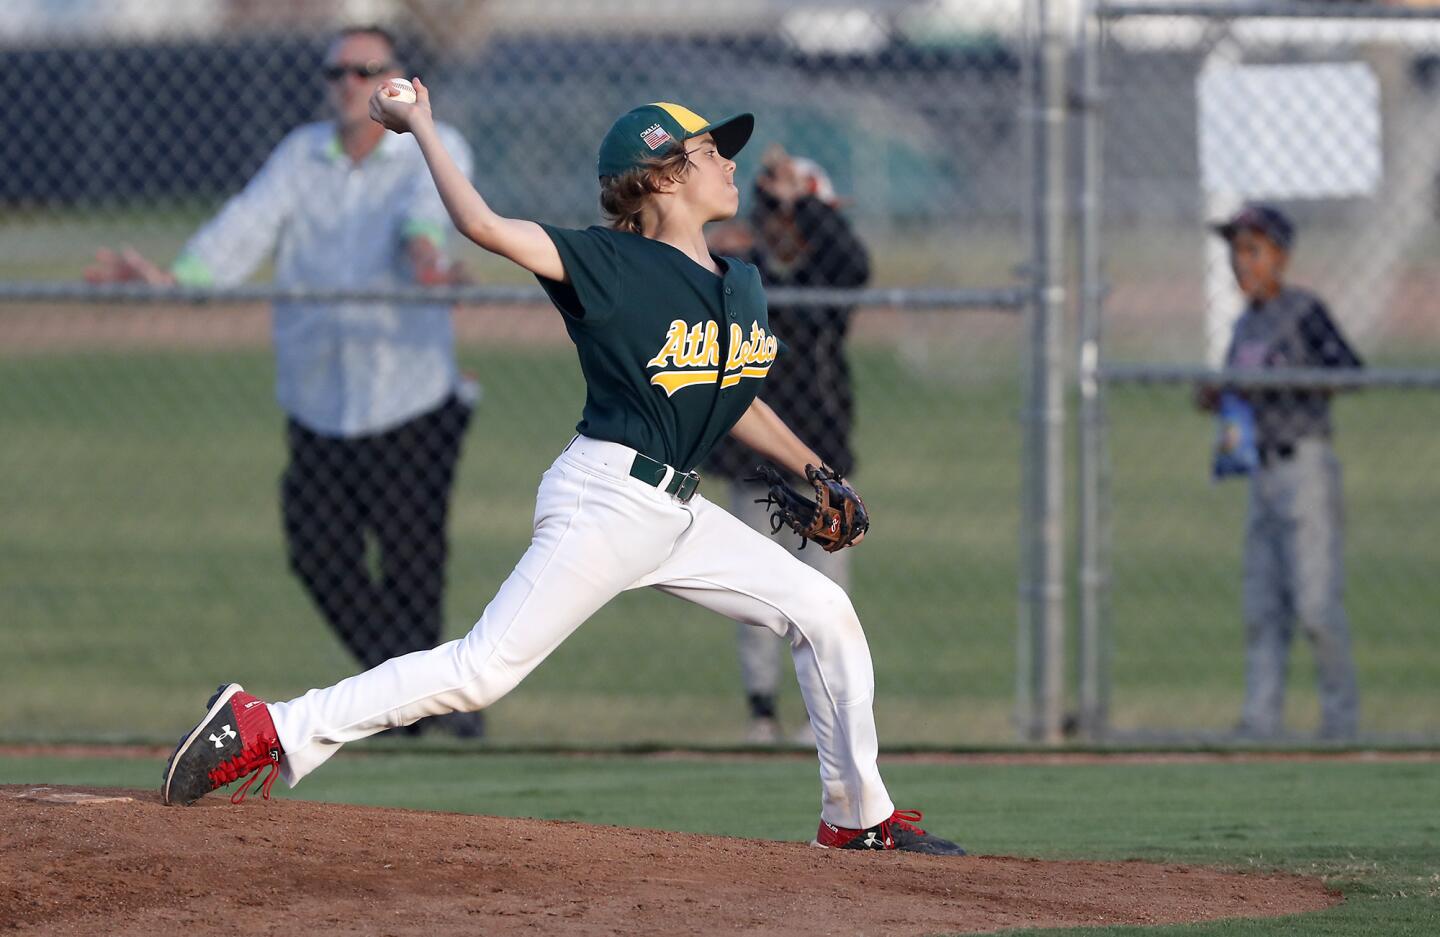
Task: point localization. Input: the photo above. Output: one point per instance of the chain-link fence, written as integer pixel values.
(1284, 501)
(197, 487)
(296, 428)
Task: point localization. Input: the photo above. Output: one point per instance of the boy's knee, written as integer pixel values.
(1320, 621)
(829, 615)
(831, 601)
(1259, 624)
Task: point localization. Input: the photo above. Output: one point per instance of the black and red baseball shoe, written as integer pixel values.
(236, 738)
(898, 832)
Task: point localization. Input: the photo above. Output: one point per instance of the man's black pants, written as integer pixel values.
(391, 489)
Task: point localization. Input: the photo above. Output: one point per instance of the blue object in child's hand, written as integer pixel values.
(1236, 452)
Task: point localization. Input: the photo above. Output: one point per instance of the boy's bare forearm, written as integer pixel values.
(762, 430)
(523, 242)
(467, 208)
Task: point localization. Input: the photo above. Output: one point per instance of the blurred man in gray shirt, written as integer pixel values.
(1294, 543)
(376, 406)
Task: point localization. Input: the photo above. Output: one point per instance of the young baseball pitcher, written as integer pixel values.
(674, 344)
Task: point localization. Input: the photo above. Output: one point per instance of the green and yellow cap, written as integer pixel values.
(647, 131)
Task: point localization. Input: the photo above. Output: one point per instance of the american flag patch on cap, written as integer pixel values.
(655, 137)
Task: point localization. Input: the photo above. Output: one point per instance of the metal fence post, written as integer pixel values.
(1042, 608)
(1092, 677)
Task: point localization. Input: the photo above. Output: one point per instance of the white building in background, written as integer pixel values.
(29, 21)
(858, 26)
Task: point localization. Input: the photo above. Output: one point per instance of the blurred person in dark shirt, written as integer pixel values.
(798, 237)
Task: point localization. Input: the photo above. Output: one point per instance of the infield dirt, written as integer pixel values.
(131, 866)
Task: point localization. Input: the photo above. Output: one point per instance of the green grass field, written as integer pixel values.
(141, 561)
(56, 244)
(142, 541)
(1177, 568)
(1369, 830)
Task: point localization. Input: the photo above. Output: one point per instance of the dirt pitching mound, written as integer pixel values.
(122, 864)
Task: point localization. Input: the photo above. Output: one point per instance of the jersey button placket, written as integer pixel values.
(729, 314)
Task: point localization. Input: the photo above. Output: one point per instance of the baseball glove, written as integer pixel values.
(834, 518)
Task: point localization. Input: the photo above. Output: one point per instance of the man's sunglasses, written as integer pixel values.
(368, 70)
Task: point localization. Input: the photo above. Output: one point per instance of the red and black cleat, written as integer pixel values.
(236, 738)
(898, 832)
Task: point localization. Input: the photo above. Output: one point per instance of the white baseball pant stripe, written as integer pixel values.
(599, 532)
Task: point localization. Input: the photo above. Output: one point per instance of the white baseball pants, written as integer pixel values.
(759, 649)
(599, 532)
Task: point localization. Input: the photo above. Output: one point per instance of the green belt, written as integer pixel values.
(682, 484)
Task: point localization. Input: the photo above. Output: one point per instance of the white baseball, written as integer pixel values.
(403, 91)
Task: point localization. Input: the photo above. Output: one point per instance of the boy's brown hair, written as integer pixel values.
(623, 196)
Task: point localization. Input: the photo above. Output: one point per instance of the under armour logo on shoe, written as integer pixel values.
(253, 702)
(872, 842)
(225, 733)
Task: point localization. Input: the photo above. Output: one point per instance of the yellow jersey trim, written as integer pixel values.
(672, 381)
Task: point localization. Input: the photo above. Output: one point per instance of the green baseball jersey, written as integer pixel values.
(651, 328)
